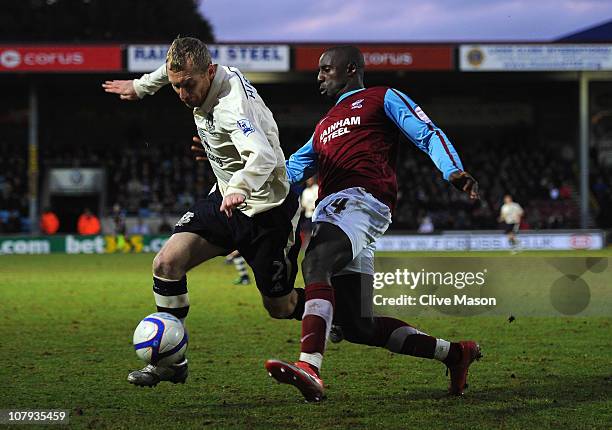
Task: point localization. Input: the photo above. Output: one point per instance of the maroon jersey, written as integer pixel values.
(356, 143)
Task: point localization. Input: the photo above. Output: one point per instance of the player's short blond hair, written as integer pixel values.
(188, 51)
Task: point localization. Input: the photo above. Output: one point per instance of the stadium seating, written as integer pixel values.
(161, 177)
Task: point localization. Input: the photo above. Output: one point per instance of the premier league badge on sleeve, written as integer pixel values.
(246, 126)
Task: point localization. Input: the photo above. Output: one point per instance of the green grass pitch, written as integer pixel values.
(65, 340)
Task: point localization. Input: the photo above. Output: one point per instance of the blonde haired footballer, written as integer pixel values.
(251, 199)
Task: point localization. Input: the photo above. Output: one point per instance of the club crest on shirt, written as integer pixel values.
(210, 123)
(357, 105)
(246, 126)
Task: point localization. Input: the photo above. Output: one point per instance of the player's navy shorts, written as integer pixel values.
(511, 228)
(268, 241)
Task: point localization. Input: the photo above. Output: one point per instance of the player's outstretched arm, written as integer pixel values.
(465, 182)
(123, 88)
(135, 89)
(421, 131)
(302, 164)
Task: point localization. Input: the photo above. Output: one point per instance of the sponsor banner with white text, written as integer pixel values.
(61, 58)
(385, 57)
(534, 58)
(75, 244)
(491, 241)
(248, 58)
(103, 244)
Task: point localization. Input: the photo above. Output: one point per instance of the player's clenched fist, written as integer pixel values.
(230, 202)
(465, 182)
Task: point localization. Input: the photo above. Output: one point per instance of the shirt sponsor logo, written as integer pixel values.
(211, 157)
(339, 128)
(209, 152)
(246, 126)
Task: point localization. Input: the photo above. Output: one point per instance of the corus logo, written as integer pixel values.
(54, 58)
(388, 58)
(10, 59)
(579, 241)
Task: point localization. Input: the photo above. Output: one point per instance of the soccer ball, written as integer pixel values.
(160, 339)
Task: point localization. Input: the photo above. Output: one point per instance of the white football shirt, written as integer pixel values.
(239, 135)
(308, 199)
(511, 213)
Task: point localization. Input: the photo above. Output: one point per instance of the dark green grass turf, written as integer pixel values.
(65, 340)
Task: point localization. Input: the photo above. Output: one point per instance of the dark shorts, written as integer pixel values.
(263, 240)
(511, 228)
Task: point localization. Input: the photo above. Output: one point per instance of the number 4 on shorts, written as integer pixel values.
(339, 205)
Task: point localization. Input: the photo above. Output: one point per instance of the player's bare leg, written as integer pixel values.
(241, 267)
(290, 306)
(275, 276)
(182, 252)
(514, 243)
(243, 274)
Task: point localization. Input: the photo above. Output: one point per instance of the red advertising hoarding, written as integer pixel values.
(385, 57)
(64, 58)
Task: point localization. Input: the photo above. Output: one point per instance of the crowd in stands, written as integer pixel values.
(542, 179)
(162, 179)
(13, 188)
(157, 179)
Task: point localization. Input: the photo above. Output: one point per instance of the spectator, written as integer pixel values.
(165, 227)
(13, 224)
(49, 223)
(119, 227)
(141, 227)
(426, 225)
(565, 192)
(88, 223)
(308, 202)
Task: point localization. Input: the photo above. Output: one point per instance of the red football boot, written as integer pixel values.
(300, 375)
(470, 351)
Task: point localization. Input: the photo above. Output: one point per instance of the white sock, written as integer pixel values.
(315, 359)
(442, 349)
